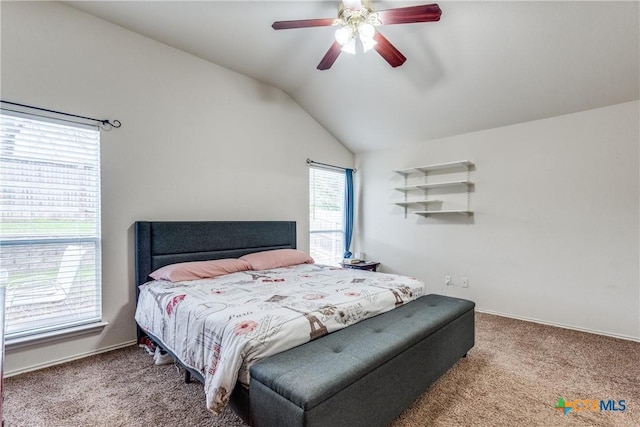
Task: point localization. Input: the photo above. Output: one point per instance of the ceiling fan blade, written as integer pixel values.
(330, 57)
(411, 14)
(388, 51)
(302, 23)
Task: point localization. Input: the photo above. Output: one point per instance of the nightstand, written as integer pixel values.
(363, 265)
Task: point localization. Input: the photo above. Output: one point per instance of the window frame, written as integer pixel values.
(339, 242)
(93, 321)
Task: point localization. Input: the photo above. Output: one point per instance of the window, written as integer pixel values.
(326, 207)
(49, 224)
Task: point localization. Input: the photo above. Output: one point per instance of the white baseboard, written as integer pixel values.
(8, 374)
(558, 325)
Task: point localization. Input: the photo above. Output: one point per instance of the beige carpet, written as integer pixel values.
(512, 377)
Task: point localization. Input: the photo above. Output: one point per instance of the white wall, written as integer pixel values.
(198, 142)
(555, 233)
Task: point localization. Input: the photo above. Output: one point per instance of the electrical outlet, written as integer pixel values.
(465, 282)
(447, 280)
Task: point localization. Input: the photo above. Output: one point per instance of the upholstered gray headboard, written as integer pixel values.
(159, 243)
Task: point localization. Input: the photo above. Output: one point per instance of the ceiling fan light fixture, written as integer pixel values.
(345, 37)
(367, 44)
(366, 32)
(350, 46)
(342, 35)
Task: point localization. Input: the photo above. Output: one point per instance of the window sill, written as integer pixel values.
(16, 343)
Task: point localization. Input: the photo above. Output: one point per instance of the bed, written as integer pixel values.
(304, 302)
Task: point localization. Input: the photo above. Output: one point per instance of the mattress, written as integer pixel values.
(220, 327)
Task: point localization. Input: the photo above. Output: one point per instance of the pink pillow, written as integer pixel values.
(277, 258)
(200, 269)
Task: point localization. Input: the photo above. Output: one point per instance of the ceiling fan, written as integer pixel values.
(357, 19)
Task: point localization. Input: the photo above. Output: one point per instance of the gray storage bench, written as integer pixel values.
(366, 374)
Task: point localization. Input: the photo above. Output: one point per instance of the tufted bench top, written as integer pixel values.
(310, 374)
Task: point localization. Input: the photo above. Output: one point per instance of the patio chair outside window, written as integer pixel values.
(43, 289)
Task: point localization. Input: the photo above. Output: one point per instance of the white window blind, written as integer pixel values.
(49, 224)
(326, 208)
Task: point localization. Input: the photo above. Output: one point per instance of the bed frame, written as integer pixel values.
(160, 243)
(431, 333)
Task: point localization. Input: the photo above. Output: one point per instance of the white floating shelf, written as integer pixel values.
(407, 188)
(432, 185)
(466, 164)
(406, 171)
(444, 184)
(417, 202)
(426, 213)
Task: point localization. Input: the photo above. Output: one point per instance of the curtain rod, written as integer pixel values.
(105, 124)
(311, 163)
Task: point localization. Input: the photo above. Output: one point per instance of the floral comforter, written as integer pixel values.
(221, 326)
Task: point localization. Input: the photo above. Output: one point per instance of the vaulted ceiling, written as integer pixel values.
(483, 65)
